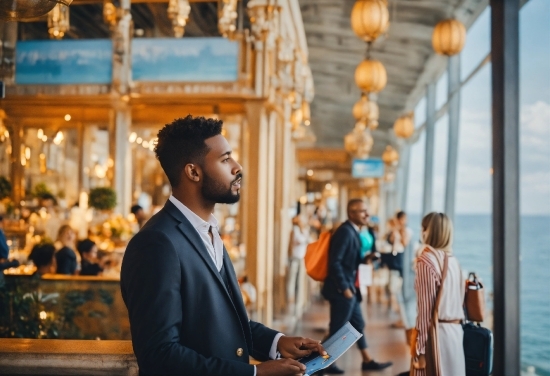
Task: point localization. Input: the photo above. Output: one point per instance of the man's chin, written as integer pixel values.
(233, 199)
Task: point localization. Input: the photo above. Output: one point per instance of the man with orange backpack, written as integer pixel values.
(340, 288)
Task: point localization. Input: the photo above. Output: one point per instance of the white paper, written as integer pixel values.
(365, 274)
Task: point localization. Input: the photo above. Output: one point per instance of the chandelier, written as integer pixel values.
(20, 10)
(178, 12)
(227, 15)
(58, 21)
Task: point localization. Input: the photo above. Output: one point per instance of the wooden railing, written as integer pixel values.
(66, 357)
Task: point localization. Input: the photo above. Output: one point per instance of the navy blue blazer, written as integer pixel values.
(343, 260)
(182, 318)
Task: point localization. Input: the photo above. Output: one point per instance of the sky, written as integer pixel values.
(474, 183)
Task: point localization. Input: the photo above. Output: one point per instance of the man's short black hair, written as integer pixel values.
(135, 208)
(182, 142)
(85, 246)
(352, 202)
(400, 214)
(42, 254)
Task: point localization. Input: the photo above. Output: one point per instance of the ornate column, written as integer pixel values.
(120, 151)
(17, 172)
(256, 203)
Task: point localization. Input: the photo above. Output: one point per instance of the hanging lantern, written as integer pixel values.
(109, 14)
(449, 37)
(361, 108)
(178, 12)
(370, 19)
(359, 141)
(58, 21)
(390, 156)
(306, 113)
(370, 76)
(20, 10)
(404, 126)
(374, 114)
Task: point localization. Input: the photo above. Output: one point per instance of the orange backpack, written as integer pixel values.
(316, 258)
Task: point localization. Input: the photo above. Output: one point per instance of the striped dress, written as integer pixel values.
(428, 279)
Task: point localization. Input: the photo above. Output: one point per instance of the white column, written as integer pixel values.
(454, 134)
(429, 156)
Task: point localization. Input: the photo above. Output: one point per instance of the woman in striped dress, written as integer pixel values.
(437, 235)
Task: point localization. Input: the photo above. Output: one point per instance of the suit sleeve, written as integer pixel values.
(262, 340)
(339, 244)
(150, 282)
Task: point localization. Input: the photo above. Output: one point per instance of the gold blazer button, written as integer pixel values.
(240, 352)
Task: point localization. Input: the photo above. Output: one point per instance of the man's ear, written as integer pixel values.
(192, 172)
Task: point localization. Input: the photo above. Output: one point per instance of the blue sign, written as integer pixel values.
(367, 168)
(153, 59)
(57, 62)
(184, 60)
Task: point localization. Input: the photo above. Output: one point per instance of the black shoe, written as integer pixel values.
(374, 366)
(333, 370)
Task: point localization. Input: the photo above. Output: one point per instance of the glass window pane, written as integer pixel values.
(473, 232)
(535, 185)
(440, 163)
(420, 112)
(478, 43)
(416, 176)
(441, 90)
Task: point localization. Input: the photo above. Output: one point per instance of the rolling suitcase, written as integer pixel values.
(478, 350)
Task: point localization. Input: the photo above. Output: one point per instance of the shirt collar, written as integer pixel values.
(355, 226)
(197, 222)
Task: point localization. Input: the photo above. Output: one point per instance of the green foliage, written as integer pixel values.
(41, 190)
(22, 301)
(103, 198)
(5, 187)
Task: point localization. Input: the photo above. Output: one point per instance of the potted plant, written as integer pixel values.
(102, 198)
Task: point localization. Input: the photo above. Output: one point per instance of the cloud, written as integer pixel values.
(474, 181)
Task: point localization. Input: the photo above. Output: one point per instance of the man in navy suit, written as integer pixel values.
(339, 287)
(186, 312)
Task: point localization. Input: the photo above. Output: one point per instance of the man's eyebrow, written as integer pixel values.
(228, 153)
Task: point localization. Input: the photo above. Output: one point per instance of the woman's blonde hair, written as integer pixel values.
(63, 230)
(438, 230)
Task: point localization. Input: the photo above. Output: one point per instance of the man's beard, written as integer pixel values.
(217, 192)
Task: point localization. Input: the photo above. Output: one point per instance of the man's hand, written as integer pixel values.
(298, 347)
(281, 367)
(348, 294)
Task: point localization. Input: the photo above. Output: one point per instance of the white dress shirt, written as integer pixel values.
(214, 247)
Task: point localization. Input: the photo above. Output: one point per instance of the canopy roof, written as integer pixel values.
(406, 52)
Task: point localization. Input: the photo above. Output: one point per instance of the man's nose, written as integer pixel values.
(237, 169)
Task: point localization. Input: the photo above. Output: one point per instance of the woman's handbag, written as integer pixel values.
(474, 299)
(432, 356)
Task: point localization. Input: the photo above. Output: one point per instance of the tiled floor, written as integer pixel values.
(385, 343)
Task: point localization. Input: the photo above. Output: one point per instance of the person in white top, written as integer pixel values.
(437, 236)
(299, 239)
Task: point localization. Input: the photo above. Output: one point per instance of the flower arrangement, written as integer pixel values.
(112, 233)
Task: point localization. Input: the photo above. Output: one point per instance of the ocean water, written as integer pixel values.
(473, 247)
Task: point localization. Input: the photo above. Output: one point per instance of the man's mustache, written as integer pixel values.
(239, 177)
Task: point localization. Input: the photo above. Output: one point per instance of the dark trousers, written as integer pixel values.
(343, 310)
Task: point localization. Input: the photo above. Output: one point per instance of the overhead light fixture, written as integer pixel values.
(67, 117)
(58, 21)
(178, 12)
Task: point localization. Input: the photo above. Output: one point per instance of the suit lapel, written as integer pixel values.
(194, 238)
(189, 232)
